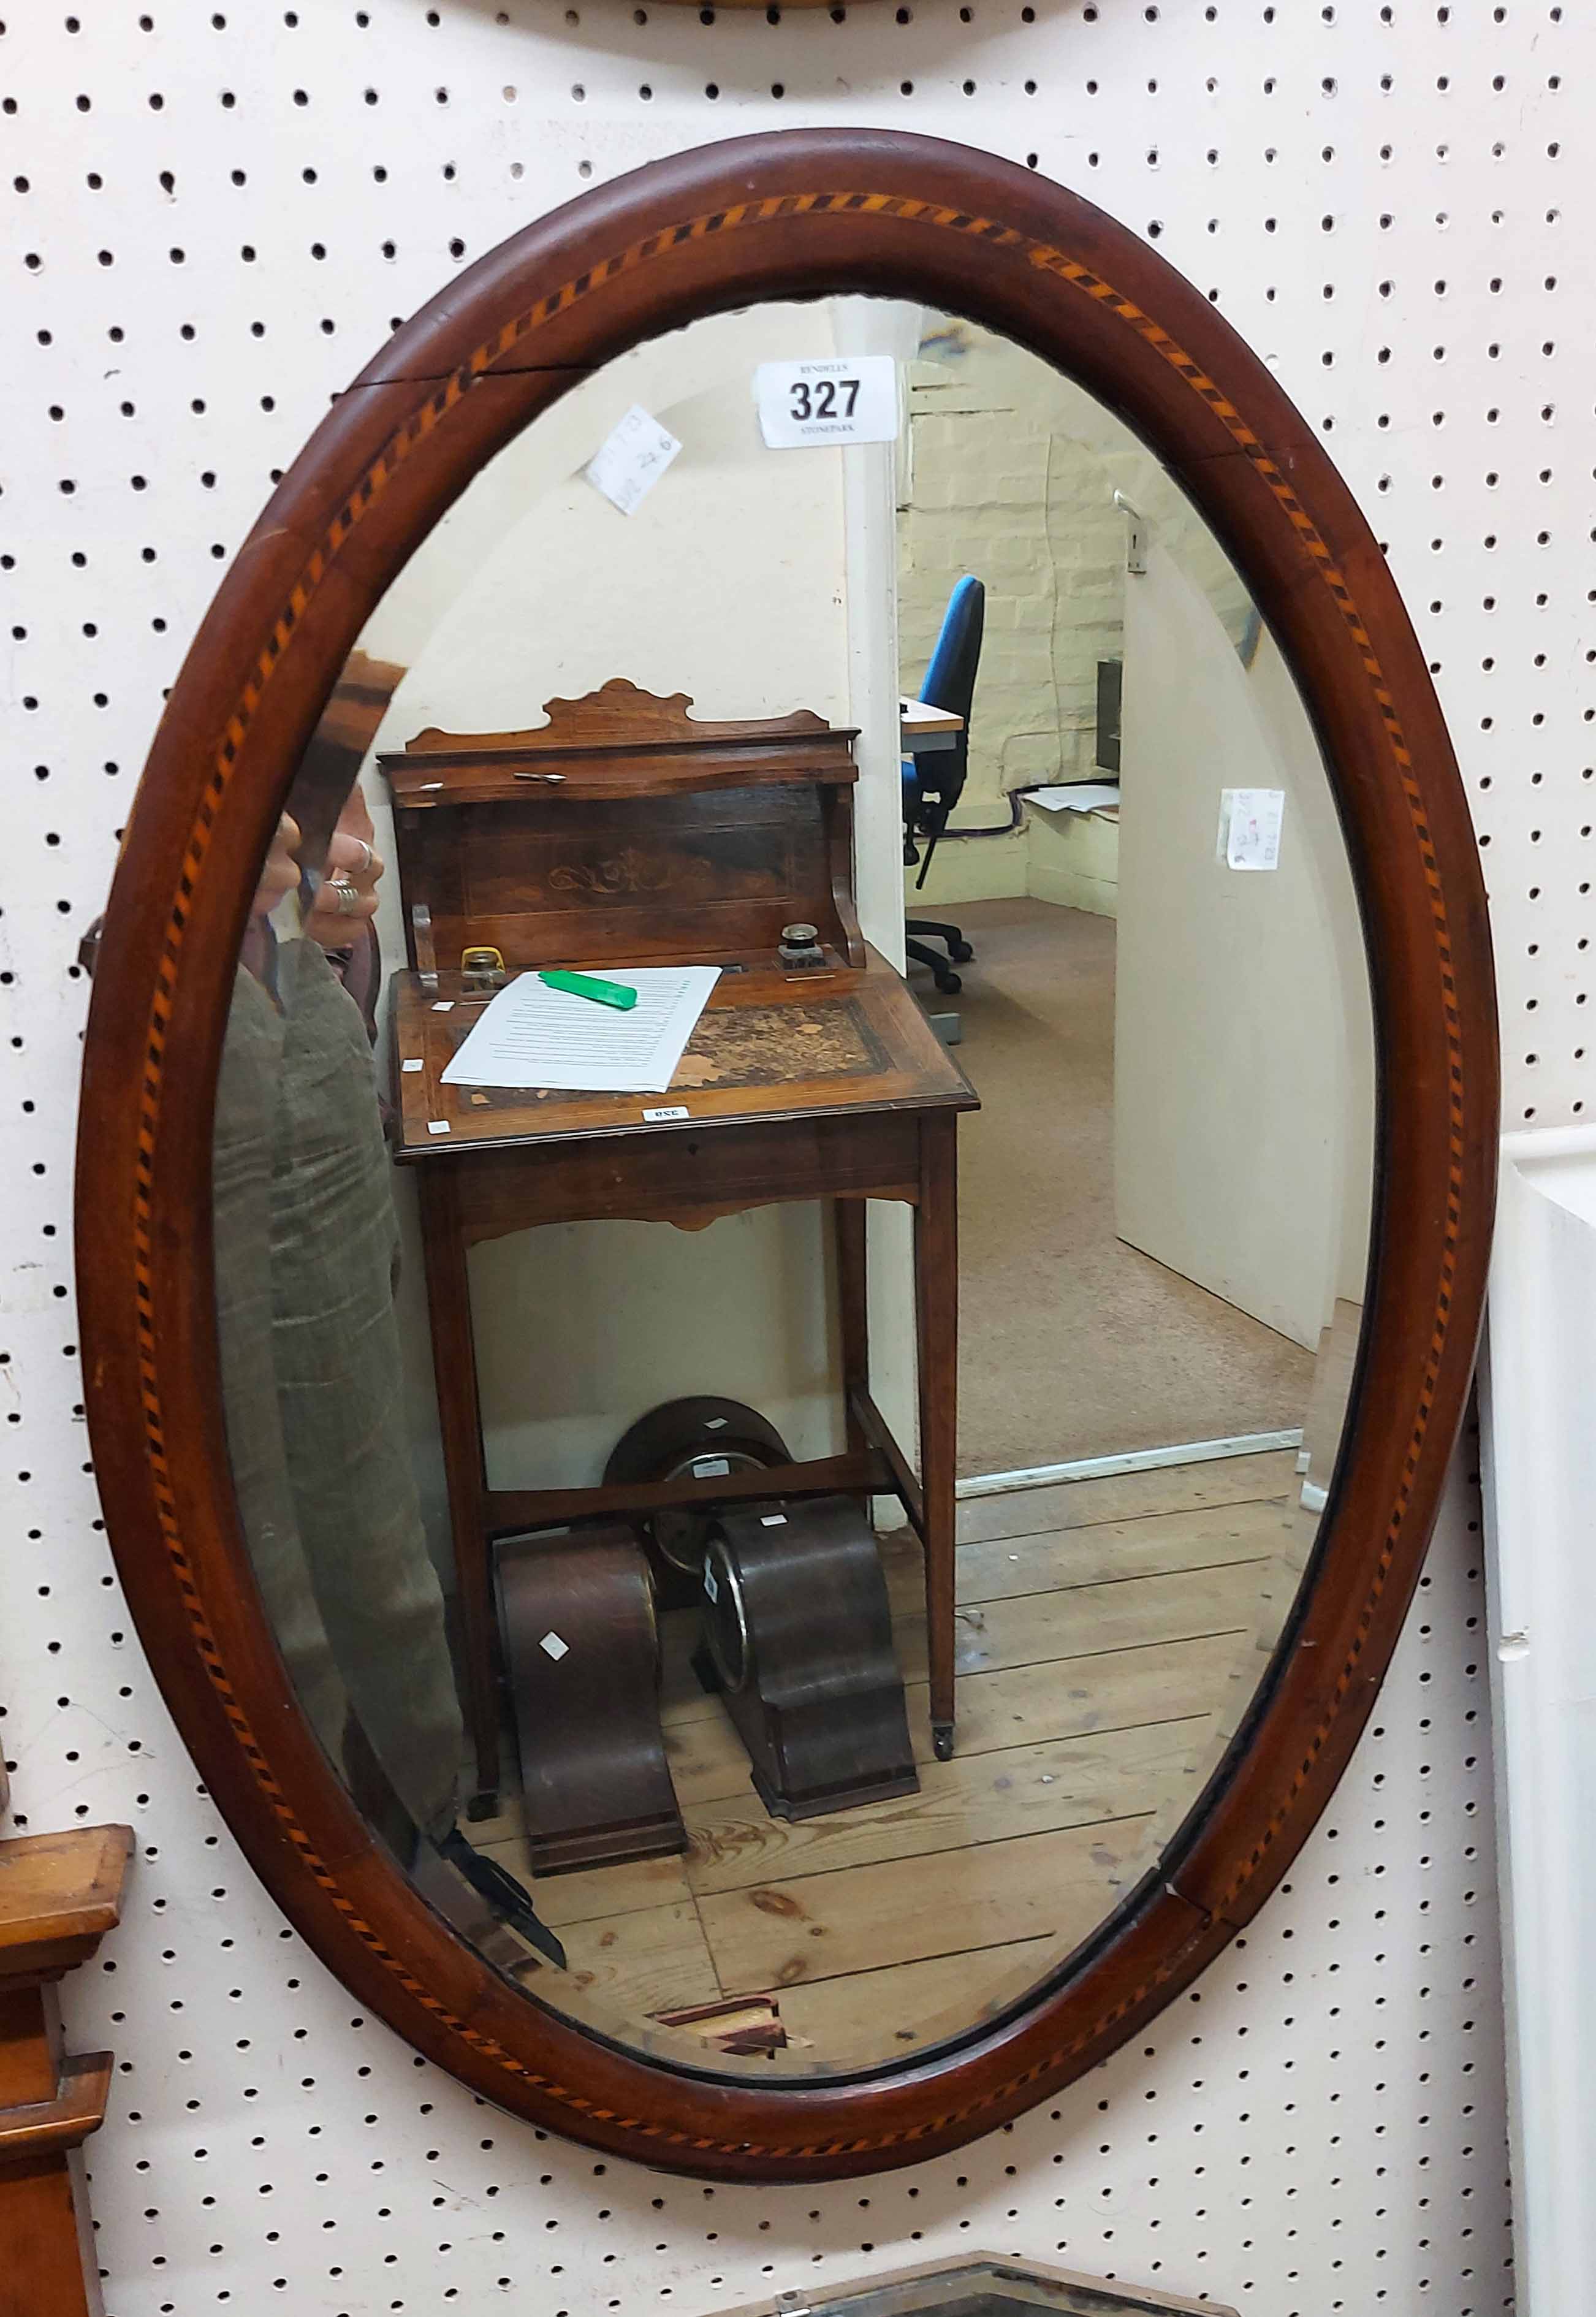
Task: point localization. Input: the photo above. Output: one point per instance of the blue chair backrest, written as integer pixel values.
(949, 683)
(950, 679)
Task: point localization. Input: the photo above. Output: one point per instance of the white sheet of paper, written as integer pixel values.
(631, 459)
(1249, 827)
(847, 399)
(531, 1035)
(1075, 796)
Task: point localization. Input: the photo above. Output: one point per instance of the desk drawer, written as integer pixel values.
(686, 1174)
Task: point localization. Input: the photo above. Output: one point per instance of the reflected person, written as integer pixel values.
(307, 1258)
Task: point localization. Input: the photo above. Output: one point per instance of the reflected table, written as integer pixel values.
(924, 731)
(825, 1084)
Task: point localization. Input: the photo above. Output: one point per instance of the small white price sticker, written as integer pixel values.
(803, 405)
(773, 1520)
(1249, 827)
(710, 1587)
(553, 1647)
(437, 1126)
(654, 1117)
(412, 1066)
(710, 1468)
(631, 460)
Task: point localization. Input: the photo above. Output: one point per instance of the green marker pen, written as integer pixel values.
(585, 985)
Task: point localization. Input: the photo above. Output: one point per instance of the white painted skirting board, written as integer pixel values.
(1136, 1460)
(1539, 1434)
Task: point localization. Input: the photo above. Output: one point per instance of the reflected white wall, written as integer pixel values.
(730, 582)
(1242, 1038)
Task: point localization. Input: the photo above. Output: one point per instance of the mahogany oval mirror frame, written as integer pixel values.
(796, 216)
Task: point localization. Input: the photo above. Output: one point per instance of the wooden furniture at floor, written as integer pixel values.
(59, 1894)
(797, 1637)
(625, 832)
(581, 1643)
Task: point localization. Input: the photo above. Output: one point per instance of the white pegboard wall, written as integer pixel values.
(213, 216)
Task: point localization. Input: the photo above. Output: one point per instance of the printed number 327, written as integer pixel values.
(821, 400)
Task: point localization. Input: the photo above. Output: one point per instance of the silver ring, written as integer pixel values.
(349, 900)
(367, 856)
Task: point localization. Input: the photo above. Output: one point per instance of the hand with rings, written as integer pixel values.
(347, 896)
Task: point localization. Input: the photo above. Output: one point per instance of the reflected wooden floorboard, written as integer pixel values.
(1106, 1631)
(1036, 1628)
(650, 1960)
(1105, 1555)
(821, 1926)
(826, 2017)
(1069, 1697)
(975, 1799)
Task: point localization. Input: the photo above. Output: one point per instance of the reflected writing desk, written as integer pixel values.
(625, 832)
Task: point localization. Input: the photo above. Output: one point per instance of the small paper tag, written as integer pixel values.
(804, 404)
(773, 1520)
(712, 1590)
(444, 1006)
(413, 1065)
(1249, 827)
(653, 1117)
(709, 1468)
(437, 1126)
(553, 1647)
(716, 1423)
(631, 459)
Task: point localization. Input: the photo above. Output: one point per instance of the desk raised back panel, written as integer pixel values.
(624, 830)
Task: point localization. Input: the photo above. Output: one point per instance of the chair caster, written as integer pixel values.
(960, 953)
(481, 1806)
(948, 985)
(942, 1740)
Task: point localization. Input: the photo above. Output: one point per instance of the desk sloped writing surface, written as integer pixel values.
(769, 1046)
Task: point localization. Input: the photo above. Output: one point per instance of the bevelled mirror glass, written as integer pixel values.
(777, 1629)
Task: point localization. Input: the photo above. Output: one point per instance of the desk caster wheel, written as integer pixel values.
(960, 953)
(942, 1740)
(948, 985)
(481, 1806)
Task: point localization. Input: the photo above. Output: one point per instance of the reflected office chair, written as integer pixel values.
(934, 780)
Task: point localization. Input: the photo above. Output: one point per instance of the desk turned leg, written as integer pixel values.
(849, 1224)
(454, 1366)
(936, 1296)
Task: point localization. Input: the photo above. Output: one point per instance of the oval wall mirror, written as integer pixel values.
(769, 1543)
